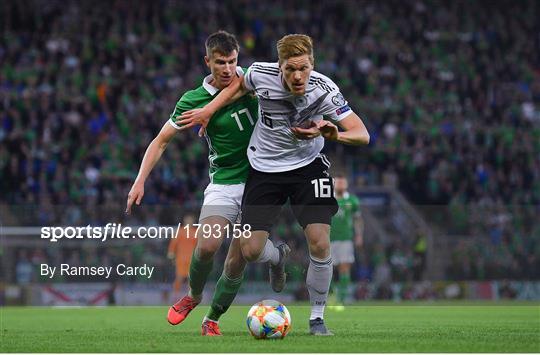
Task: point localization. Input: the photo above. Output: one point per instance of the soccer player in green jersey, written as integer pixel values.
(347, 225)
(227, 136)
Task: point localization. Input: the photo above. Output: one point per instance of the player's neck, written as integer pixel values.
(213, 83)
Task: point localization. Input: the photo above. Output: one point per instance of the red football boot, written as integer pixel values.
(210, 328)
(180, 310)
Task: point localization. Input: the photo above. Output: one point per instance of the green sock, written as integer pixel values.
(343, 287)
(226, 290)
(198, 273)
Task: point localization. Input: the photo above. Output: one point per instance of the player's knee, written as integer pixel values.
(344, 268)
(250, 252)
(320, 248)
(206, 251)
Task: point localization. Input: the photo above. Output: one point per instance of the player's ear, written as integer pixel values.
(207, 61)
(280, 64)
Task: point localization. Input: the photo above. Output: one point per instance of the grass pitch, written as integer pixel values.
(366, 327)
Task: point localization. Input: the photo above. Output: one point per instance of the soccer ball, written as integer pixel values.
(269, 319)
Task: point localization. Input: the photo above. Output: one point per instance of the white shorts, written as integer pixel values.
(342, 252)
(222, 200)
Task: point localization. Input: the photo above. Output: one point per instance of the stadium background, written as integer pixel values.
(449, 185)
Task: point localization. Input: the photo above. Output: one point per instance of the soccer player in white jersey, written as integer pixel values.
(284, 154)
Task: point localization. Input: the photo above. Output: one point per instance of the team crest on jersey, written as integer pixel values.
(338, 99)
(300, 101)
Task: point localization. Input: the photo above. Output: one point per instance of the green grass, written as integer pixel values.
(366, 327)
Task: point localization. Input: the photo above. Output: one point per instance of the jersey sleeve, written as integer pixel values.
(249, 79)
(335, 107)
(183, 105)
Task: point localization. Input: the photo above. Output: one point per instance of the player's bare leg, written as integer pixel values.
(344, 270)
(319, 274)
(200, 267)
(253, 245)
(235, 263)
(258, 248)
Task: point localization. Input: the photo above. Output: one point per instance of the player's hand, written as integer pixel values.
(312, 131)
(135, 195)
(328, 130)
(197, 116)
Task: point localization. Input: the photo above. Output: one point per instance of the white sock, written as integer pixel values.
(319, 276)
(270, 253)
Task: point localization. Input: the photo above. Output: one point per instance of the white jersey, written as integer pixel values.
(273, 147)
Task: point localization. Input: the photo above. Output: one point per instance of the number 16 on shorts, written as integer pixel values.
(323, 187)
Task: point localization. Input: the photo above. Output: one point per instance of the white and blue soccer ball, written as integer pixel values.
(269, 319)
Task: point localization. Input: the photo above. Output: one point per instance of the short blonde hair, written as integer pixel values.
(294, 45)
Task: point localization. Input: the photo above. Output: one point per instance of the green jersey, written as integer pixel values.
(227, 134)
(342, 227)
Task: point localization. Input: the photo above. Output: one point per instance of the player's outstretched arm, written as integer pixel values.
(354, 131)
(151, 157)
(201, 116)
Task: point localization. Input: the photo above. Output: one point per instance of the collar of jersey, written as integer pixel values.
(345, 195)
(212, 90)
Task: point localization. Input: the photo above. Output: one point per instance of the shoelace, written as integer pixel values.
(317, 321)
(181, 308)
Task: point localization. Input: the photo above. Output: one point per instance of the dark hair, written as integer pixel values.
(222, 42)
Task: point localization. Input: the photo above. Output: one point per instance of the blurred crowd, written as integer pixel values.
(501, 242)
(449, 91)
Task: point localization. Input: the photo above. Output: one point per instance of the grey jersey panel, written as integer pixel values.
(273, 147)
